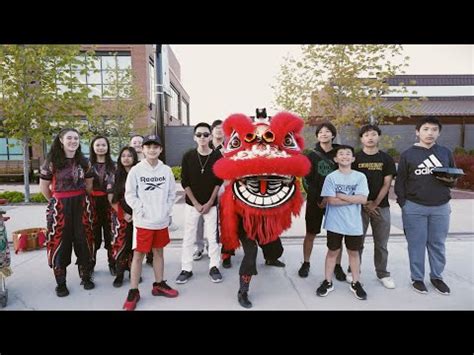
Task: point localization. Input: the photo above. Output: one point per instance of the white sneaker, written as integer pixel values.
(387, 282)
(197, 254)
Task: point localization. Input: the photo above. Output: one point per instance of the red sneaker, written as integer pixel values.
(132, 300)
(162, 289)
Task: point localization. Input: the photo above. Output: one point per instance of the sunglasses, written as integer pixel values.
(205, 134)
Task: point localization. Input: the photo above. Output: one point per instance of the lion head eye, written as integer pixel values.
(234, 142)
(290, 142)
(250, 137)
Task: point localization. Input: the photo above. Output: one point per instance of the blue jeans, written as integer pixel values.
(426, 227)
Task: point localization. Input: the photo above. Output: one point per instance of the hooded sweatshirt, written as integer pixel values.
(150, 192)
(415, 181)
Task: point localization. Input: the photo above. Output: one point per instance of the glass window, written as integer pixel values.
(184, 111)
(94, 77)
(124, 62)
(3, 146)
(108, 62)
(174, 109)
(14, 147)
(96, 90)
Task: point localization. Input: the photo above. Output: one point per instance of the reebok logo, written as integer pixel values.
(151, 187)
(427, 165)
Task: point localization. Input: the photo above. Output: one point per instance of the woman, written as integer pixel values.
(65, 179)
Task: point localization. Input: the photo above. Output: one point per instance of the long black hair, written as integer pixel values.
(109, 164)
(56, 154)
(121, 174)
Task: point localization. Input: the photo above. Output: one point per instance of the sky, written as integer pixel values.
(226, 79)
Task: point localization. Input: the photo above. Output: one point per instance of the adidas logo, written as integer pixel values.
(427, 165)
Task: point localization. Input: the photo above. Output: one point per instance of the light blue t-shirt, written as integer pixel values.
(347, 219)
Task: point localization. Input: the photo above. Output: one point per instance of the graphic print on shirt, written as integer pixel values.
(346, 189)
(153, 182)
(427, 165)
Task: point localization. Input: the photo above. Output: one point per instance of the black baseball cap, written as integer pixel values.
(152, 139)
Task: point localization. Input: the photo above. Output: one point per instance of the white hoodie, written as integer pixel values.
(150, 192)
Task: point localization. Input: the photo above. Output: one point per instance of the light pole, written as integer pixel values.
(160, 99)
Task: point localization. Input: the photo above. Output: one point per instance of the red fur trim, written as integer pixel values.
(283, 123)
(228, 219)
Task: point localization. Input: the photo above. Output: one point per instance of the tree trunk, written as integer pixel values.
(26, 168)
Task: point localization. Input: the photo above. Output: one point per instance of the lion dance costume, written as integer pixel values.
(261, 162)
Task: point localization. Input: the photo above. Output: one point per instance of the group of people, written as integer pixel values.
(128, 206)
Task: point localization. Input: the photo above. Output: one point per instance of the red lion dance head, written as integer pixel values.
(261, 161)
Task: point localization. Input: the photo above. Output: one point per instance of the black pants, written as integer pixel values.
(69, 227)
(271, 251)
(102, 225)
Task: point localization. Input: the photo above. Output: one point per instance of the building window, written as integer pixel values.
(8, 151)
(174, 103)
(107, 75)
(184, 111)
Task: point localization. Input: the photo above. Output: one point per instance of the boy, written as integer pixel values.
(201, 186)
(150, 191)
(322, 164)
(346, 190)
(424, 200)
(379, 169)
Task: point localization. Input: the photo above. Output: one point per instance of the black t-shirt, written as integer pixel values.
(197, 173)
(375, 167)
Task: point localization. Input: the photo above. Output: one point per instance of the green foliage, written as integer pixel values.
(38, 197)
(176, 172)
(13, 196)
(18, 197)
(342, 83)
(459, 151)
(393, 152)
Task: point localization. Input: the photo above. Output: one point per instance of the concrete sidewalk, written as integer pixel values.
(32, 284)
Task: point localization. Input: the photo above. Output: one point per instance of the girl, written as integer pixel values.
(122, 224)
(104, 169)
(65, 178)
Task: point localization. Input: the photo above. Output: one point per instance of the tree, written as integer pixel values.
(123, 103)
(41, 92)
(342, 83)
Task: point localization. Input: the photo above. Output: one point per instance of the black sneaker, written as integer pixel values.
(112, 270)
(339, 273)
(276, 263)
(226, 263)
(359, 292)
(419, 286)
(215, 274)
(440, 286)
(184, 276)
(61, 290)
(243, 299)
(304, 269)
(325, 288)
(88, 284)
(118, 281)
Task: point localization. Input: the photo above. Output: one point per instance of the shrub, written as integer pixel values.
(465, 162)
(459, 151)
(38, 197)
(176, 172)
(393, 152)
(13, 196)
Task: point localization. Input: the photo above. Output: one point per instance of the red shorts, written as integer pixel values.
(151, 238)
